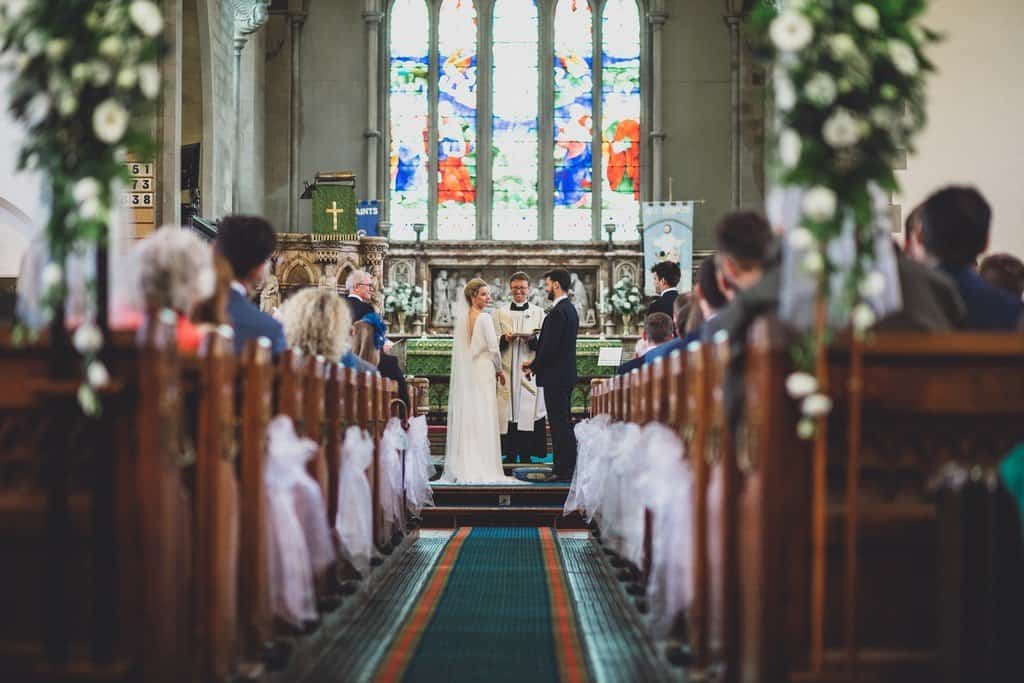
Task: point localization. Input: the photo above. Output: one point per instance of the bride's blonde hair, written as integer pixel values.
(472, 287)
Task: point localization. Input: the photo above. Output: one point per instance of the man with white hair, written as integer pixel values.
(360, 292)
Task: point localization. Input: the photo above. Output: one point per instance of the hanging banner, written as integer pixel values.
(668, 236)
(367, 217)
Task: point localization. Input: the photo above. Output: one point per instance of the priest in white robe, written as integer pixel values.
(520, 401)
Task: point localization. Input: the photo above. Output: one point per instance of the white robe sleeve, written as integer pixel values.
(487, 342)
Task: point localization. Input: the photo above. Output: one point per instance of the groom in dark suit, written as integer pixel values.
(555, 367)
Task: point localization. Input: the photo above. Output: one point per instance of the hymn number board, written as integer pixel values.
(140, 197)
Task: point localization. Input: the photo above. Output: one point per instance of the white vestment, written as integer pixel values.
(520, 400)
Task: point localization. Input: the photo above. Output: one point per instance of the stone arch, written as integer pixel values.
(345, 268)
(298, 273)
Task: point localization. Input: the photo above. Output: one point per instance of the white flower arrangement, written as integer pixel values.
(84, 84)
(403, 297)
(849, 87)
(625, 298)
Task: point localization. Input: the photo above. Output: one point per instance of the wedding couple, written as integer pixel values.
(473, 453)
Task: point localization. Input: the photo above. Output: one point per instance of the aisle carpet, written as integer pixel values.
(496, 608)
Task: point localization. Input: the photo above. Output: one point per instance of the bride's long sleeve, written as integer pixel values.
(489, 343)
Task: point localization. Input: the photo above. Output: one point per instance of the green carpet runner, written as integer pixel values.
(497, 608)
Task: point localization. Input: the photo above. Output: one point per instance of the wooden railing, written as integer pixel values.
(850, 566)
(135, 545)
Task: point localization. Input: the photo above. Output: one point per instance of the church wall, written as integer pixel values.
(975, 105)
(696, 84)
(215, 45)
(191, 76)
(251, 167)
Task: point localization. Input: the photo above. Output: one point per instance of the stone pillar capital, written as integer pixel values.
(250, 16)
(372, 19)
(658, 19)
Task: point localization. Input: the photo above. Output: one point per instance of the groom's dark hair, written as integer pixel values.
(561, 276)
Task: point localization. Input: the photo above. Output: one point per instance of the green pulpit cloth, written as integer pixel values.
(1011, 472)
(334, 209)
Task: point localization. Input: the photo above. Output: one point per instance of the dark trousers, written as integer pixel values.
(558, 402)
(520, 446)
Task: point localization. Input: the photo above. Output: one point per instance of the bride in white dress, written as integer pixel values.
(473, 448)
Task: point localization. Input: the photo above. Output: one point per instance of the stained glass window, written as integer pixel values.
(456, 124)
(573, 130)
(409, 106)
(514, 120)
(620, 117)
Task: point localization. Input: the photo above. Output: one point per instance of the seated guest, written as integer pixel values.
(246, 242)
(360, 292)
(366, 345)
(707, 301)
(174, 269)
(953, 231)
(317, 322)
(1005, 272)
(666, 281)
(658, 330)
(213, 312)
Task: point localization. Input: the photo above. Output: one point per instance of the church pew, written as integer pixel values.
(720, 456)
(314, 415)
(91, 517)
(692, 369)
(257, 378)
(288, 387)
(216, 512)
(336, 406)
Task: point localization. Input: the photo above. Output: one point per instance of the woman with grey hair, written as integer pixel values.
(173, 269)
(317, 322)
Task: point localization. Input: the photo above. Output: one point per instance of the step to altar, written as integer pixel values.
(523, 505)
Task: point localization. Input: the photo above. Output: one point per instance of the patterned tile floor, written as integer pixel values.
(616, 646)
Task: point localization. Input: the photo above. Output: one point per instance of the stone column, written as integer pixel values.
(372, 134)
(734, 15)
(657, 18)
(168, 164)
(250, 16)
(296, 20)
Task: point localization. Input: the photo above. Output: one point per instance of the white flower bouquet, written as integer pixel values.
(403, 297)
(85, 77)
(624, 299)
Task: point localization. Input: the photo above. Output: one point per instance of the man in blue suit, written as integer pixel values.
(953, 230)
(246, 242)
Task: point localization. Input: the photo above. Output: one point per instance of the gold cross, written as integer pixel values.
(334, 211)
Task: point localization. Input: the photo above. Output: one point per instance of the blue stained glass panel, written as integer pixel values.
(573, 125)
(456, 125)
(515, 79)
(620, 117)
(408, 94)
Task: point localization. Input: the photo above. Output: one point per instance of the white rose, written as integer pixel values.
(841, 46)
(127, 78)
(872, 285)
(800, 239)
(21, 62)
(785, 93)
(805, 428)
(35, 43)
(865, 16)
(885, 118)
(53, 275)
(790, 148)
(56, 49)
(15, 8)
(903, 57)
(85, 189)
(67, 104)
(801, 384)
(101, 74)
(813, 263)
(87, 338)
(146, 16)
(110, 121)
(816, 405)
(111, 47)
(80, 73)
(37, 109)
(90, 209)
(97, 374)
(791, 31)
(820, 90)
(841, 130)
(88, 401)
(819, 203)
(863, 317)
(149, 80)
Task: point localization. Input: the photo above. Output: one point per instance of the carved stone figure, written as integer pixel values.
(270, 295)
(442, 300)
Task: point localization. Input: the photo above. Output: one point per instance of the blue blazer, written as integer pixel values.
(988, 308)
(251, 323)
